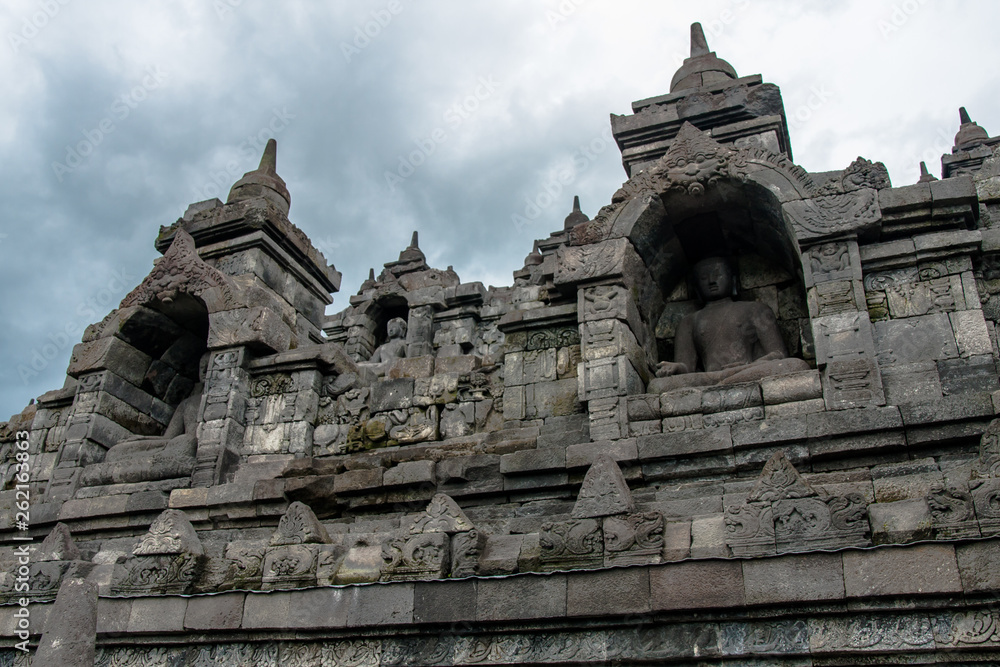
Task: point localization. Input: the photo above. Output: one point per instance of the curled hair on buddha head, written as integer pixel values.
(399, 322)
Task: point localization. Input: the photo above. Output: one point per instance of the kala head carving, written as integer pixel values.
(694, 161)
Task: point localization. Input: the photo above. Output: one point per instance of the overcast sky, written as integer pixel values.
(118, 114)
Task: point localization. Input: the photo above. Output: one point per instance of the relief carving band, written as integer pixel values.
(725, 342)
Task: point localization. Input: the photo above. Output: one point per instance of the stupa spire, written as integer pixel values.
(699, 45)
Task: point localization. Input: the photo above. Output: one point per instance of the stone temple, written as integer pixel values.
(743, 416)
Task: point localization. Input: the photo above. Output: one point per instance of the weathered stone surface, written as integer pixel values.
(794, 578)
(171, 533)
(610, 592)
(299, 525)
(501, 554)
(927, 568)
(697, 585)
(604, 491)
(71, 641)
(523, 597)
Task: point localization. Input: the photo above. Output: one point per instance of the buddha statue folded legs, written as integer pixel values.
(727, 341)
(145, 458)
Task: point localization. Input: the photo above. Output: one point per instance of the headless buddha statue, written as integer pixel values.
(727, 341)
(143, 458)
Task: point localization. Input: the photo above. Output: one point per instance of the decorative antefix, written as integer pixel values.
(168, 560)
(171, 533)
(783, 514)
(604, 491)
(59, 545)
(443, 515)
(299, 525)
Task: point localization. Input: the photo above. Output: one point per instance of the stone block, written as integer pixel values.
(962, 376)
(445, 601)
(900, 521)
(708, 537)
(970, 333)
(806, 578)
(533, 460)
(361, 564)
(109, 353)
(911, 383)
(687, 443)
(801, 386)
(263, 611)
(676, 540)
(215, 612)
(681, 423)
(697, 585)
(382, 604)
(409, 472)
(610, 592)
(907, 480)
(557, 398)
(391, 395)
(500, 555)
(316, 608)
(979, 566)
(412, 367)
(915, 570)
(606, 378)
(731, 397)
(914, 339)
(769, 431)
(521, 598)
(681, 401)
(584, 454)
(113, 615)
(948, 408)
(157, 614)
(356, 481)
(643, 407)
(733, 417)
(465, 363)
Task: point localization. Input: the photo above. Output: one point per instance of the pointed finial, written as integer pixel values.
(699, 45)
(371, 274)
(413, 241)
(576, 216)
(963, 115)
(925, 176)
(269, 160)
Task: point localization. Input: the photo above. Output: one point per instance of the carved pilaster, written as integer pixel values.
(221, 425)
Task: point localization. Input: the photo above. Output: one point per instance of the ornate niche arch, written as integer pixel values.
(702, 194)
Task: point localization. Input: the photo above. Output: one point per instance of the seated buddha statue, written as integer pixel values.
(386, 354)
(144, 458)
(726, 341)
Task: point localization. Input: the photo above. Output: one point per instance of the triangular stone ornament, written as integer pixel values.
(170, 534)
(299, 526)
(180, 270)
(779, 480)
(604, 491)
(58, 545)
(443, 515)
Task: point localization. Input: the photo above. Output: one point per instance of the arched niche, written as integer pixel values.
(702, 199)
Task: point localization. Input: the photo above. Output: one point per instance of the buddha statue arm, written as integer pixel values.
(685, 353)
(768, 335)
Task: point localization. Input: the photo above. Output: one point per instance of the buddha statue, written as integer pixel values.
(144, 458)
(386, 354)
(726, 341)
